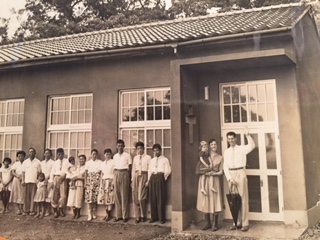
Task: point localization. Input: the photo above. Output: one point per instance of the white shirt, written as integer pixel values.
(6, 175)
(140, 163)
(31, 170)
(46, 167)
(159, 164)
(17, 166)
(106, 168)
(122, 161)
(59, 167)
(236, 157)
(93, 166)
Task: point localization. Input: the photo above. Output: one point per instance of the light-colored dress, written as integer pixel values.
(18, 191)
(41, 192)
(106, 195)
(6, 175)
(212, 202)
(75, 196)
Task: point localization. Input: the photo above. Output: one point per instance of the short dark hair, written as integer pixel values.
(41, 174)
(21, 152)
(60, 150)
(83, 156)
(212, 140)
(120, 141)
(108, 150)
(233, 134)
(7, 159)
(157, 145)
(139, 144)
(94, 150)
(71, 159)
(49, 150)
(32, 149)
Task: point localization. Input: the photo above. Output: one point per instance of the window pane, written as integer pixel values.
(66, 140)
(88, 116)
(252, 93)
(270, 92)
(59, 140)
(235, 113)
(150, 98)
(244, 112)
(126, 136)
(226, 95)
(9, 121)
(82, 102)
(262, 112)
(273, 194)
(88, 102)
(74, 103)
(133, 139)
(254, 194)
(167, 153)
(158, 98)
(227, 114)
(81, 117)
(20, 120)
(74, 117)
(243, 94)
(60, 117)
(133, 99)
(80, 143)
(141, 136)
(87, 140)
(7, 141)
(55, 103)
(73, 140)
(16, 107)
(150, 140)
(253, 112)
(235, 94)
(125, 100)
(166, 137)
(166, 112)
(158, 113)
(10, 107)
(271, 153)
(14, 142)
(166, 97)
(19, 141)
(54, 117)
(158, 136)
(253, 156)
(150, 113)
(261, 93)
(66, 117)
(62, 104)
(271, 112)
(53, 138)
(134, 114)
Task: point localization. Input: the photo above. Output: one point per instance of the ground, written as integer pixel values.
(15, 227)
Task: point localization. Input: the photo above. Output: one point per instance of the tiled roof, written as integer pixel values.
(269, 19)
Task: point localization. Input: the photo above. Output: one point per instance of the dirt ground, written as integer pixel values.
(13, 227)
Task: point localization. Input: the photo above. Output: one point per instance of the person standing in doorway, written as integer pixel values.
(58, 173)
(158, 172)
(235, 160)
(122, 163)
(139, 180)
(30, 169)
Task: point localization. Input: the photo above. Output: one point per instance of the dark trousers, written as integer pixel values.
(31, 189)
(157, 191)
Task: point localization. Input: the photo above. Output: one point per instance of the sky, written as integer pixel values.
(5, 6)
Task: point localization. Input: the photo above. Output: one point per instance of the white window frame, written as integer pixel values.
(69, 127)
(10, 130)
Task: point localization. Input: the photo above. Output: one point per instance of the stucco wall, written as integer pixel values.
(308, 72)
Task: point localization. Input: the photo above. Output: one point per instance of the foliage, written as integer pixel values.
(4, 30)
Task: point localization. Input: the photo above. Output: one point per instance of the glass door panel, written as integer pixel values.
(254, 194)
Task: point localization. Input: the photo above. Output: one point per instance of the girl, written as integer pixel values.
(6, 180)
(18, 191)
(75, 195)
(105, 195)
(204, 164)
(40, 196)
(92, 178)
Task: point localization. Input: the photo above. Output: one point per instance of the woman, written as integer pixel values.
(212, 202)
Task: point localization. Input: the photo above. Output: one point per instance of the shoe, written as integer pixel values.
(234, 227)
(143, 219)
(214, 228)
(61, 212)
(55, 213)
(25, 213)
(162, 221)
(37, 215)
(47, 214)
(19, 212)
(32, 213)
(137, 220)
(206, 227)
(125, 219)
(245, 228)
(152, 220)
(117, 219)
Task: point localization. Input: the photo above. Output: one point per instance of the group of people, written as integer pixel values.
(211, 167)
(37, 186)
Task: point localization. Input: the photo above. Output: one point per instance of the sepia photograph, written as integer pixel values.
(159, 119)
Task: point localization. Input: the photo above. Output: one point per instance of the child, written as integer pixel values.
(105, 195)
(6, 183)
(18, 193)
(71, 169)
(75, 196)
(40, 196)
(204, 164)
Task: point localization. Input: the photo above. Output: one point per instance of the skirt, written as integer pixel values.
(92, 187)
(40, 194)
(18, 192)
(75, 197)
(105, 195)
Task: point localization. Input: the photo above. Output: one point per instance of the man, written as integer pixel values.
(58, 174)
(30, 170)
(139, 180)
(121, 181)
(158, 172)
(46, 167)
(235, 160)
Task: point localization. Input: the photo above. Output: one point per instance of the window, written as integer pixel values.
(249, 102)
(11, 127)
(145, 116)
(69, 124)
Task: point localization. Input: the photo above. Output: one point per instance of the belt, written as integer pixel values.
(142, 172)
(122, 170)
(238, 168)
(158, 173)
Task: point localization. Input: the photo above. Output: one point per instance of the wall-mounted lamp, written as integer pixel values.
(206, 93)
